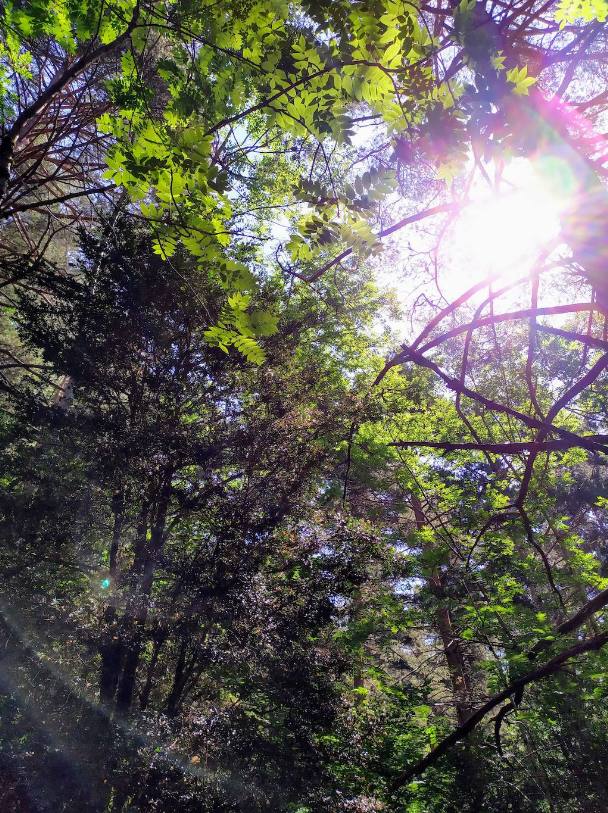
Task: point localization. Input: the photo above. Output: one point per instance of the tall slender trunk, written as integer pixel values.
(144, 697)
(111, 647)
(452, 649)
(118, 502)
(126, 685)
(111, 658)
(179, 680)
(455, 657)
(136, 614)
(358, 679)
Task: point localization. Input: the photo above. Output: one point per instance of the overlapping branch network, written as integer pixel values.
(524, 428)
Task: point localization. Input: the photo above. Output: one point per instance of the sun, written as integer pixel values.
(503, 230)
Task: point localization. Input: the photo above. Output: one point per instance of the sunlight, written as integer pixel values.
(503, 231)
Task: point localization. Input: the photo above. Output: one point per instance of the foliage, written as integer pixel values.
(276, 536)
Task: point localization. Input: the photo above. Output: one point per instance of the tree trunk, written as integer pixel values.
(111, 648)
(454, 655)
(456, 660)
(64, 395)
(144, 698)
(126, 685)
(136, 614)
(117, 508)
(111, 658)
(179, 681)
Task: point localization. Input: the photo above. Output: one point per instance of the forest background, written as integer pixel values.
(303, 354)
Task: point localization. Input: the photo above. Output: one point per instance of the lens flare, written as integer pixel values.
(502, 232)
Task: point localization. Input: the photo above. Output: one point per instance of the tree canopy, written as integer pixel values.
(303, 389)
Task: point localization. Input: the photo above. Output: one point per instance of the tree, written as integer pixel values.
(371, 583)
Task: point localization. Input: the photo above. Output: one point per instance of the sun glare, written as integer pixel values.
(502, 231)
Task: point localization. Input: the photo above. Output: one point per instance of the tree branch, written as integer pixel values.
(544, 671)
(504, 448)
(11, 137)
(409, 354)
(400, 224)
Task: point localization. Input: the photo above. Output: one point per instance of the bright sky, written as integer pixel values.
(504, 230)
(498, 236)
